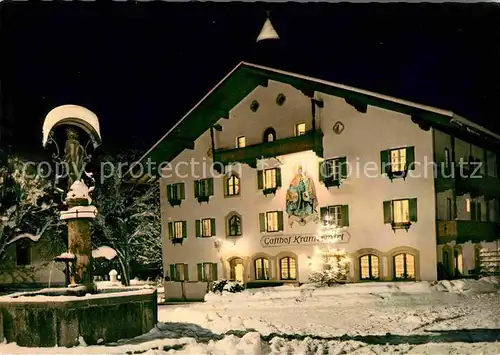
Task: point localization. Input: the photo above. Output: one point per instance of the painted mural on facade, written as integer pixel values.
(301, 199)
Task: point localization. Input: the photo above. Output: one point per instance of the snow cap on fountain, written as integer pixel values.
(73, 115)
(79, 191)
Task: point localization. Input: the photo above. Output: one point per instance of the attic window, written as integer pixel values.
(280, 100)
(254, 106)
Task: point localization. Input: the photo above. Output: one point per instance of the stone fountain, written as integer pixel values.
(63, 316)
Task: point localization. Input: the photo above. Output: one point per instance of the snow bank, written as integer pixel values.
(483, 285)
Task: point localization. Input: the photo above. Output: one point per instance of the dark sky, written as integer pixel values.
(142, 66)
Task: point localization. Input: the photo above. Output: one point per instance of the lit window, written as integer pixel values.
(404, 267)
(272, 221)
(467, 204)
(398, 160)
(401, 211)
(335, 215)
(288, 268)
(233, 185)
(300, 129)
(261, 269)
(241, 142)
(270, 181)
(369, 269)
(206, 227)
(178, 230)
(270, 137)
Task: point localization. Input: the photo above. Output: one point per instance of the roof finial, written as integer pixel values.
(267, 31)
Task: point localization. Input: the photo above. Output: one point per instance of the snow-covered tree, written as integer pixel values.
(28, 209)
(329, 265)
(128, 218)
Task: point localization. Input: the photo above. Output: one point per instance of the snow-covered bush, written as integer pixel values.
(228, 286)
(329, 267)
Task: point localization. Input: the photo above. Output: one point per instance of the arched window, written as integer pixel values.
(404, 267)
(232, 185)
(234, 225)
(369, 267)
(288, 268)
(261, 269)
(458, 261)
(269, 135)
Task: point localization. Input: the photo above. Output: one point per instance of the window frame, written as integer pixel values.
(298, 131)
(405, 267)
(289, 272)
(236, 182)
(238, 142)
(263, 260)
(276, 213)
(176, 230)
(370, 267)
(229, 218)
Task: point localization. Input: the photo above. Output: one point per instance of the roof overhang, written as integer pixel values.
(245, 77)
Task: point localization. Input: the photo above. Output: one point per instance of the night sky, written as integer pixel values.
(141, 66)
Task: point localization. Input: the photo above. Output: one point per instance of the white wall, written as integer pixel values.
(365, 135)
(41, 269)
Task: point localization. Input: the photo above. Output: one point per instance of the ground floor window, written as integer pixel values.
(236, 269)
(288, 268)
(404, 267)
(179, 272)
(207, 271)
(369, 267)
(261, 269)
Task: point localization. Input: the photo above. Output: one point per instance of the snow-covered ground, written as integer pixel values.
(458, 317)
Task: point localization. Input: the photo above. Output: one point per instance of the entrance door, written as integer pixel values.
(236, 269)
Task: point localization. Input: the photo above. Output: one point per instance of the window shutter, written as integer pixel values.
(478, 212)
(262, 222)
(412, 205)
(198, 228)
(387, 211)
(215, 275)
(280, 220)
(210, 186)
(170, 230)
(384, 161)
(169, 191)
(199, 267)
(186, 272)
(343, 168)
(260, 179)
(184, 229)
(213, 231)
(323, 211)
(410, 158)
(345, 215)
(196, 188)
(173, 275)
(321, 174)
(182, 191)
(278, 177)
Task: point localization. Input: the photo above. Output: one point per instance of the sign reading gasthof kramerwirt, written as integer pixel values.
(303, 239)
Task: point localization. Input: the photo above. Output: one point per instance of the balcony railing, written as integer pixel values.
(465, 180)
(311, 140)
(463, 231)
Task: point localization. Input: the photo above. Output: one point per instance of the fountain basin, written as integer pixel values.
(45, 319)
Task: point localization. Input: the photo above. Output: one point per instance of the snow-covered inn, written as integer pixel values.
(250, 174)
